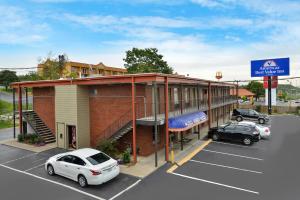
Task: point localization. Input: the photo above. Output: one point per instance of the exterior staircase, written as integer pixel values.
(121, 132)
(119, 127)
(39, 126)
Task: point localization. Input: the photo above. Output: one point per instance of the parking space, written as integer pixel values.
(22, 162)
(232, 166)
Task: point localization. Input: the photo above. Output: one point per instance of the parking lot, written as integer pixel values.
(268, 169)
(23, 175)
(265, 170)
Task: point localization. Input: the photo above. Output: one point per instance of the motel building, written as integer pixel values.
(143, 112)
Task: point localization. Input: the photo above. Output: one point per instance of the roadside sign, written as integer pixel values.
(274, 82)
(270, 67)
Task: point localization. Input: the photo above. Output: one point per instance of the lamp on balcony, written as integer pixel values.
(219, 75)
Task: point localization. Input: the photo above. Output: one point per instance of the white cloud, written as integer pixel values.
(18, 28)
(209, 3)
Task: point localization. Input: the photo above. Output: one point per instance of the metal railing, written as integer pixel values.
(117, 124)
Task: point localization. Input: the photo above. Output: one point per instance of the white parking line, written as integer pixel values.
(19, 158)
(225, 166)
(243, 146)
(230, 154)
(215, 183)
(54, 182)
(39, 160)
(128, 188)
(34, 167)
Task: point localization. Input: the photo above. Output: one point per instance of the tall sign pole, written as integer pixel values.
(269, 95)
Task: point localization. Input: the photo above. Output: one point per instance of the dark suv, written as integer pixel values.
(249, 114)
(235, 132)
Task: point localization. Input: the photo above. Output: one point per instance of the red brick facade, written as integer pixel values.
(44, 105)
(111, 104)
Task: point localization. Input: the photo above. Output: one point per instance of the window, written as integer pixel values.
(73, 69)
(153, 134)
(98, 158)
(84, 70)
(67, 159)
(176, 97)
(186, 95)
(78, 161)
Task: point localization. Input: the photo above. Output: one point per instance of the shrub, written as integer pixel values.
(20, 138)
(109, 147)
(30, 138)
(258, 108)
(126, 156)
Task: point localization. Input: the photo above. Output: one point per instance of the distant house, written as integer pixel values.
(87, 70)
(242, 92)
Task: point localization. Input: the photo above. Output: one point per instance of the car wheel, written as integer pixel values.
(247, 141)
(261, 121)
(239, 119)
(82, 181)
(215, 137)
(50, 170)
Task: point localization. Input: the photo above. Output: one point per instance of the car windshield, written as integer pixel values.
(98, 158)
(226, 124)
(255, 112)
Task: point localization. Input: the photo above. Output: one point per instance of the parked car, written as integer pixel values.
(264, 131)
(247, 134)
(86, 166)
(249, 114)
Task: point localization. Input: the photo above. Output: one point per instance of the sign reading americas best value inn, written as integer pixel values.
(270, 67)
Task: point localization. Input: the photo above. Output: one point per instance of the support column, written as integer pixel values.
(269, 95)
(14, 111)
(26, 97)
(155, 122)
(217, 110)
(237, 94)
(167, 118)
(223, 91)
(133, 121)
(209, 104)
(198, 104)
(181, 111)
(181, 140)
(20, 109)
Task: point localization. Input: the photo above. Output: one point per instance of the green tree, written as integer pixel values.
(30, 76)
(53, 67)
(257, 88)
(7, 77)
(146, 61)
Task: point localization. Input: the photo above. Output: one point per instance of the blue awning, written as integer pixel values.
(186, 121)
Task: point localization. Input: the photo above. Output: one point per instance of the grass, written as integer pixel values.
(6, 124)
(5, 107)
(2, 89)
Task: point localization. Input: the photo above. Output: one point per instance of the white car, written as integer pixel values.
(87, 166)
(263, 130)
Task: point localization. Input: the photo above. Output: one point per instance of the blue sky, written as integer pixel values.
(196, 37)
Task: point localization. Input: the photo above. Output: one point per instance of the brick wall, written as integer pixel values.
(109, 103)
(144, 140)
(44, 105)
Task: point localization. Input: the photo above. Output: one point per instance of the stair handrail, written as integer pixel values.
(117, 124)
(32, 121)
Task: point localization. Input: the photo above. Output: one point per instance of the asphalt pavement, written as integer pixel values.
(23, 176)
(7, 133)
(8, 97)
(267, 170)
